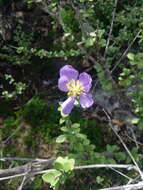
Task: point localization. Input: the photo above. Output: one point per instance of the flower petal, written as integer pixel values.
(86, 100)
(62, 83)
(67, 106)
(86, 80)
(69, 72)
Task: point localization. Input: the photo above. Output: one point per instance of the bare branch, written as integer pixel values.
(24, 178)
(39, 168)
(124, 145)
(123, 166)
(127, 187)
(109, 166)
(126, 51)
(22, 159)
(122, 174)
(135, 180)
(111, 28)
(16, 130)
(22, 170)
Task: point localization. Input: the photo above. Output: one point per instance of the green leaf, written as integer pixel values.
(111, 161)
(52, 177)
(58, 166)
(69, 166)
(134, 150)
(120, 156)
(64, 164)
(75, 125)
(89, 42)
(65, 129)
(62, 120)
(131, 56)
(112, 148)
(134, 63)
(81, 136)
(61, 139)
(99, 179)
(135, 120)
(86, 142)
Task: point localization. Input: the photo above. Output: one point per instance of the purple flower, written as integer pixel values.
(77, 86)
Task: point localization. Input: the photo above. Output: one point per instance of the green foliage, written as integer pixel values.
(43, 118)
(132, 78)
(75, 32)
(99, 179)
(24, 43)
(52, 178)
(73, 135)
(19, 53)
(23, 39)
(51, 54)
(30, 126)
(26, 49)
(19, 88)
(63, 167)
(83, 152)
(69, 21)
(64, 164)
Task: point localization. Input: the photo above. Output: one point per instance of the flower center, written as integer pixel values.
(75, 87)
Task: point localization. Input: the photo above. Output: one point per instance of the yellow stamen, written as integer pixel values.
(75, 87)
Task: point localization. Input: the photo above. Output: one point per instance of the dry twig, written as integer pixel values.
(126, 51)
(127, 187)
(124, 145)
(111, 28)
(39, 168)
(22, 170)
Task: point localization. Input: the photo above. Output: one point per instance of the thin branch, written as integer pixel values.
(111, 28)
(43, 172)
(16, 130)
(22, 171)
(123, 166)
(91, 58)
(122, 174)
(134, 180)
(130, 138)
(13, 176)
(134, 137)
(22, 183)
(25, 177)
(110, 166)
(127, 187)
(124, 145)
(22, 159)
(126, 51)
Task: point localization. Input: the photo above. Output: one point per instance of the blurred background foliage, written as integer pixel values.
(37, 38)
